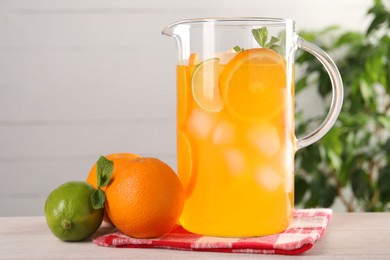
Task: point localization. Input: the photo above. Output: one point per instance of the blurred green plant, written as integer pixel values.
(352, 162)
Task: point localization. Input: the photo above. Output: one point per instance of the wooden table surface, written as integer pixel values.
(348, 236)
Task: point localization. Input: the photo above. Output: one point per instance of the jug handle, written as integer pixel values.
(337, 93)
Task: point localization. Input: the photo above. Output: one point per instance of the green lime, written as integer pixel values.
(69, 212)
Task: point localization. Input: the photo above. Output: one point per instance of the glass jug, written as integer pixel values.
(235, 122)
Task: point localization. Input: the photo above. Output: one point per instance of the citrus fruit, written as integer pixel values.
(193, 59)
(205, 85)
(118, 159)
(185, 163)
(145, 199)
(69, 212)
(253, 84)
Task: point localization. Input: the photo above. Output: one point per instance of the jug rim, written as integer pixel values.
(230, 21)
(234, 21)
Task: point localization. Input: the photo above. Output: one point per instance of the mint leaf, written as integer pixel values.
(277, 49)
(273, 40)
(261, 35)
(97, 199)
(104, 170)
(237, 48)
(282, 38)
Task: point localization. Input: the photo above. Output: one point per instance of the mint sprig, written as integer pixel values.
(261, 36)
(104, 170)
(98, 197)
(237, 48)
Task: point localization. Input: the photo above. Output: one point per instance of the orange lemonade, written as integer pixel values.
(236, 143)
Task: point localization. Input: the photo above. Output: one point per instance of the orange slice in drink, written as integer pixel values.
(253, 84)
(185, 163)
(205, 85)
(193, 59)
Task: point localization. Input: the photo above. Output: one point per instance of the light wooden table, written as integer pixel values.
(348, 236)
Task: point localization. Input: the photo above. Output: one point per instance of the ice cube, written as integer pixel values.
(226, 57)
(235, 161)
(265, 138)
(199, 123)
(289, 174)
(285, 161)
(224, 133)
(268, 178)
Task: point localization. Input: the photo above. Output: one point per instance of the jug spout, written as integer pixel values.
(176, 29)
(180, 31)
(172, 29)
(169, 30)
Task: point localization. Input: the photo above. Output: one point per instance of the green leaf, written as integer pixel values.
(316, 189)
(387, 85)
(300, 188)
(332, 141)
(329, 29)
(324, 84)
(310, 158)
(308, 36)
(377, 8)
(98, 198)
(261, 35)
(328, 196)
(273, 40)
(356, 119)
(237, 48)
(349, 38)
(277, 49)
(384, 183)
(104, 170)
(375, 71)
(366, 91)
(384, 121)
(301, 84)
(380, 16)
(387, 146)
(347, 167)
(359, 183)
(304, 57)
(282, 38)
(312, 202)
(334, 159)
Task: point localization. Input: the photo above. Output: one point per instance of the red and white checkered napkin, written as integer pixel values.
(307, 227)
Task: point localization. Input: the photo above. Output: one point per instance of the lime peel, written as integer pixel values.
(69, 213)
(205, 85)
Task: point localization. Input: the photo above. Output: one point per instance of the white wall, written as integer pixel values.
(81, 78)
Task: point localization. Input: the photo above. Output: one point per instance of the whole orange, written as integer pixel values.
(119, 160)
(146, 199)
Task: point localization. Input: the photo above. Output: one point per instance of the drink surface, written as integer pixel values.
(236, 144)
